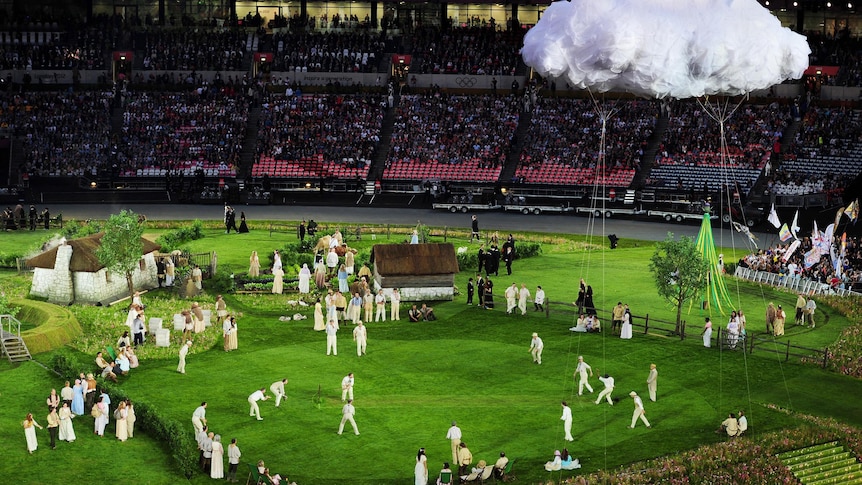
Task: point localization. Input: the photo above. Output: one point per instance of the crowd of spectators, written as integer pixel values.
(840, 49)
(336, 128)
(825, 156)
(566, 134)
(452, 130)
(69, 45)
(693, 136)
(470, 50)
(328, 52)
(64, 133)
(771, 260)
(202, 128)
(202, 50)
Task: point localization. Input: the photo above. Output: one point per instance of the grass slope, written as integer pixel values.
(472, 366)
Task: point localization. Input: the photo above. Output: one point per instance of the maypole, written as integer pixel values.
(715, 291)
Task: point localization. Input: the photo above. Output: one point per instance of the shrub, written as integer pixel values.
(149, 418)
(9, 260)
(74, 229)
(467, 260)
(527, 250)
(221, 282)
(6, 308)
(172, 240)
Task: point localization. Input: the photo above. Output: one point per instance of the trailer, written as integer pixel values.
(609, 205)
(464, 207)
(538, 209)
(609, 212)
(674, 216)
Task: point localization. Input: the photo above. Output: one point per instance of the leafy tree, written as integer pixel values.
(121, 247)
(680, 271)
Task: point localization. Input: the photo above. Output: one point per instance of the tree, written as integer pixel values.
(679, 270)
(121, 247)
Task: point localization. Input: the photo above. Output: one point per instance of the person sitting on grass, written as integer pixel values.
(427, 313)
(593, 324)
(555, 464)
(729, 426)
(581, 325)
(108, 372)
(569, 463)
(742, 422)
(413, 314)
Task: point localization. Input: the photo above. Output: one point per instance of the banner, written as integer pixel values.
(811, 258)
(793, 247)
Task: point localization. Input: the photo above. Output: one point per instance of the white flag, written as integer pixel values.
(773, 217)
(794, 228)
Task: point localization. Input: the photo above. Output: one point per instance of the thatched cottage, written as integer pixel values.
(421, 272)
(71, 273)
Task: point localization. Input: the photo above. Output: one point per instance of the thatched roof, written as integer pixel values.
(414, 259)
(83, 254)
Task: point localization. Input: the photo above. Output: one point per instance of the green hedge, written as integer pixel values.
(172, 240)
(150, 418)
(468, 261)
(56, 326)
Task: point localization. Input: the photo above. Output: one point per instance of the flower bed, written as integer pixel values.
(749, 460)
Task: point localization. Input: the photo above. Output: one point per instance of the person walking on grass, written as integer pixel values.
(566, 418)
(581, 371)
(639, 411)
(454, 437)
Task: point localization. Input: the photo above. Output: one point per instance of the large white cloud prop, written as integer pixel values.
(665, 48)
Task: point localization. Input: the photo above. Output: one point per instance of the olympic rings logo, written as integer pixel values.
(465, 82)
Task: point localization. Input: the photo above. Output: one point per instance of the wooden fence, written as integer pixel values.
(720, 337)
(640, 323)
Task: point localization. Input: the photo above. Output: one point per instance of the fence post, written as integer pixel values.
(387, 231)
(646, 324)
(825, 357)
(547, 308)
(445, 232)
(751, 347)
(787, 352)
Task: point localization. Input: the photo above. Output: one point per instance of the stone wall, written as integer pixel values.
(424, 294)
(60, 286)
(97, 287)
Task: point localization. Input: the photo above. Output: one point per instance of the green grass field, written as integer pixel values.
(471, 365)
